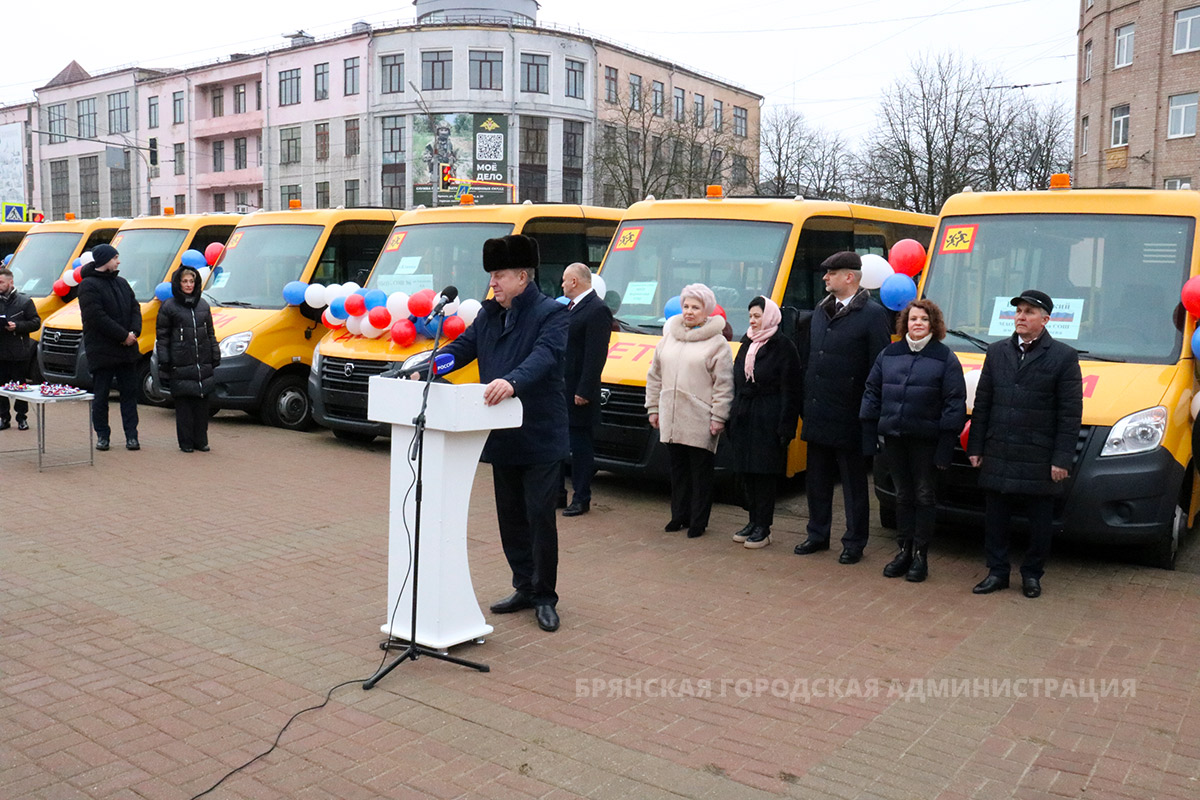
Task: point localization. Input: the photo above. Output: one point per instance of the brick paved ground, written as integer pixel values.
(162, 615)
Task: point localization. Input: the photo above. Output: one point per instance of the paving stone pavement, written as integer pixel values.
(162, 615)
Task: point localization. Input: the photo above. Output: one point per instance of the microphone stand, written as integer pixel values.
(417, 453)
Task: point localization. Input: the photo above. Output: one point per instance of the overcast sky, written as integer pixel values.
(830, 63)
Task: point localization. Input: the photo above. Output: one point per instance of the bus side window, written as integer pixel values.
(209, 234)
(350, 252)
(102, 236)
(805, 285)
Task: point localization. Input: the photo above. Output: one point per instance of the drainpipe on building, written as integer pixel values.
(512, 115)
(265, 139)
(365, 185)
(190, 159)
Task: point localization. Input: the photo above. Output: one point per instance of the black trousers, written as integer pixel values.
(915, 475)
(191, 421)
(825, 465)
(13, 371)
(759, 492)
(583, 463)
(525, 500)
(691, 484)
(126, 378)
(997, 528)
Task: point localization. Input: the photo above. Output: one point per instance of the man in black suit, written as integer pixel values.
(590, 323)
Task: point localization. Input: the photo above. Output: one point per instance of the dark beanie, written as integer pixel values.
(843, 260)
(102, 254)
(510, 252)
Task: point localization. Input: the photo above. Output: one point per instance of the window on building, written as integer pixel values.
(60, 186)
(679, 99)
(177, 108)
(535, 73)
(289, 87)
(218, 101)
(241, 201)
(287, 193)
(1187, 29)
(89, 186)
(322, 194)
(575, 78)
(258, 95)
(155, 206)
(350, 76)
(56, 123)
(180, 204)
(321, 81)
(1083, 136)
(1181, 120)
(391, 182)
(218, 201)
(289, 145)
(572, 161)
(487, 70)
(351, 199)
(152, 112)
(657, 97)
(740, 122)
(391, 74)
(1124, 47)
(437, 70)
(534, 152)
(120, 198)
(258, 147)
(393, 140)
(1087, 61)
(698, 109)
(1120, 126)
(352, 145)
(739, 174)
(1176, 183)
(239, 98)
(118, 112)
(635, 92)
(322, 141)
(610, 84)
(85, 118)
(239, 153)
(718, 115)
(218, 153)
(180, 158)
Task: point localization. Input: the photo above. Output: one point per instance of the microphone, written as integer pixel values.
(448, 296)
(443, 362)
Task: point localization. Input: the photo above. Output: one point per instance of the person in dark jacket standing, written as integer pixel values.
(1024, 427)
(917, 399)
(112, 322)
(762, 420)
(588, 332)
(186, 347)
(847, 331)
(519, 338)
(18, 319)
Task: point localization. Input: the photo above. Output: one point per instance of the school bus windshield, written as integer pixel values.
(1114, 279)
(431, 256)
(650, 261)
(259, 261)
(41, 261)
(145, 256)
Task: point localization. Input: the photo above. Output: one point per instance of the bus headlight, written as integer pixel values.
(416, 360)
(235, 345)
(1136, 433)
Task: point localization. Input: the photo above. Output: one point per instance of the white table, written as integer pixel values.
(39, 401)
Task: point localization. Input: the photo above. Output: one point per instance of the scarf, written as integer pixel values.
(767, 328)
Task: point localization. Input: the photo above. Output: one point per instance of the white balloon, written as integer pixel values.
(332, 292)
(204, 273)
(875, 270)
(367, 329)
(972, 380)
(350, 288)
(1195, 405)
(69, 277)
(599, 286)
(354, 324)
(86, 258)
(469, 309)
(314, 295)
(397, 305)
(452, 307)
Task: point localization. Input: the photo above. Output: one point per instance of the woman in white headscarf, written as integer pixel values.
(762, 422)
(689, 390)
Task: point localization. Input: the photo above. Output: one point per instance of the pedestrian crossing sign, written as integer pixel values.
(14, 212)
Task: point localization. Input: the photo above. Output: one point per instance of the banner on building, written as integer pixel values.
(12, 163)
(476, 148)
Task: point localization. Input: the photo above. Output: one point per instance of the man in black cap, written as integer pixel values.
(1024, 427)
(519, 339)
(847, 331)
(112, 322)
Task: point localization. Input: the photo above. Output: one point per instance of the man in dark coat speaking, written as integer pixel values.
(519, 339)
(1024, 427)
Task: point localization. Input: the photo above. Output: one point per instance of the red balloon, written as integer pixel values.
(78, 274)
(1191, 296)
(907, 257)
(453, 327)
(331, 322)
(421, 303)
(720, 312)
(356, 306)
(965, 435)
(212, 253)
(60, 288)
(404, 333)
(380, 317)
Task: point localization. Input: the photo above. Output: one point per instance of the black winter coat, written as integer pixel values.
(763, 418)
(186, 344)
(915, 394)
(588, 331)
(1027, 415)
(525, 346)
(21, 311)
(109, 312)
(837, 359)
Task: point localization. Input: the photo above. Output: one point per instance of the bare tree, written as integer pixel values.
(799, 158)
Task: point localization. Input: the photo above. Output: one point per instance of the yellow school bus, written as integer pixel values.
(740, 248)
(11, 234)
(1113, 261)
(436, 247)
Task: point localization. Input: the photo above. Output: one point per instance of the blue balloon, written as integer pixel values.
(1196, 341)
(193, 258)
(7, 259)
(337, 309)
(562, 299)
(673, 307)
(362, 293)
(375, 298)
(293, 293)
(898, 291)
(76, 264)
(163, 291)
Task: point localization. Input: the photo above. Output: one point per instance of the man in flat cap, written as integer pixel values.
(847, 331)
(1024, 427)
(520, 340)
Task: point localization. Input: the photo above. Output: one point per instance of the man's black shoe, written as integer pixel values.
(674, 525)
(204, 448)
(547, 617)
(992, 583)
(577, 508)
(516, 601)
(849, 556)
(102, 443)
(185, 449)
(5, 425)
(132, 444)
(22, 425)
(1032, 587)
(810, 546)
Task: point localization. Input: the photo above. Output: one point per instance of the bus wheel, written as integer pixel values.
(887, 516)
(1162, 554)
(149, 391)
(286, 404)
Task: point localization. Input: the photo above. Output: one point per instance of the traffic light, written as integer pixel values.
(153, 152)
(447, 178)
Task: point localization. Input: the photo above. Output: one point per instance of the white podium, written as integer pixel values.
(457, 423)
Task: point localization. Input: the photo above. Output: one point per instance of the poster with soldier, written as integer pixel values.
(475, 147)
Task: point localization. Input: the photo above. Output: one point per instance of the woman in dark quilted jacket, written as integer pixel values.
(187, 356)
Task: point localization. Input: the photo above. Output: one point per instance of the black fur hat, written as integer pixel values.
(510, 252)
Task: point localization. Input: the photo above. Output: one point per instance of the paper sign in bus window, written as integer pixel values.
(395, 242)
(627, 239)
(117, 239)
(233, 240)
(1063, 323)
(408, 265)
(639, 293)
(958, 239)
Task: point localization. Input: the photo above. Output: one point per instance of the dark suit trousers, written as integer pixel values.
(825, 465)
(526, 495)
(191, 421)
(997, 527)
(915, 475)
(126, 377)
(691, 484)
(13, 371)
(583, 462)
(759, 491)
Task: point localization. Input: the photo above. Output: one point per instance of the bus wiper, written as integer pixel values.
(1091, 357)
(975, 340)
(628, 327)
(235, 303)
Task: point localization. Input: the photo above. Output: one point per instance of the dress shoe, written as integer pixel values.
(185, 449)
(1032, 587)
(102, 443)
(695, 533)
(744, 533)
(849, 556)
(919, 569)
(674, 525)
(132, 444)
(204, 448)
(810, 546)
(900, 564)
(547, 617)
(517, 601)
(577, 508)
(992, 583)
(759, 537)
(22, 425)
(5, 425)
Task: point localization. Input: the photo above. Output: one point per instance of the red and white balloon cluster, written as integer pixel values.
(373, 313)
